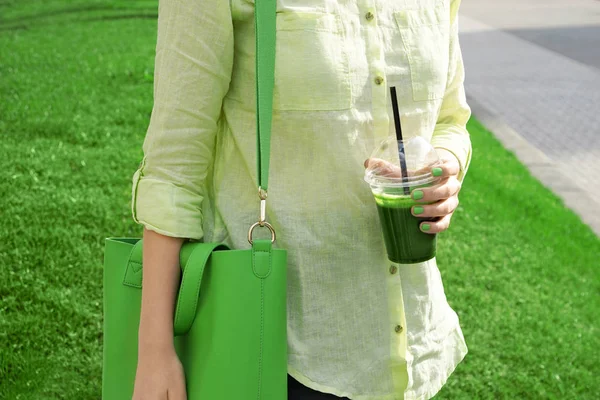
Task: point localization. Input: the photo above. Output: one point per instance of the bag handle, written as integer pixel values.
(193, 258)
(265, 28)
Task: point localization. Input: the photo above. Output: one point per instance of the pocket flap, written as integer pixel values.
(309, 21)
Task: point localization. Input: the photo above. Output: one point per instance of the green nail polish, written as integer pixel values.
(417, 194)
(437, 171)
(426, 227)
(418, 210)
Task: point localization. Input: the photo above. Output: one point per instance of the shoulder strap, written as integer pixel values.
(265, 24)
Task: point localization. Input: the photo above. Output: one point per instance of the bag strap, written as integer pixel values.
(193, 258)
(265, 23)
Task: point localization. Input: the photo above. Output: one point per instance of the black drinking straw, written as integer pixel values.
(399, 138)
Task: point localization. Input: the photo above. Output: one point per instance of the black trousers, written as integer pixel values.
(297, 391)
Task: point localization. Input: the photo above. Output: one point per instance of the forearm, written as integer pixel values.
(159, 287)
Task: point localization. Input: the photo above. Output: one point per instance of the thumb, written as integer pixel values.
(384, 168)
(382, 165)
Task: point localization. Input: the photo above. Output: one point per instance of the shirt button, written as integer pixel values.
(398, 329)
(393, 269)
(369, 16)
(379, 80)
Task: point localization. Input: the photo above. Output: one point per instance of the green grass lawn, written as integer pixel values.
(75, 98)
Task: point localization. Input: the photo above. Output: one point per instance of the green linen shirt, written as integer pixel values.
(356, 327)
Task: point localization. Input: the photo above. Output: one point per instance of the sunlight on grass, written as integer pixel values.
(519, 269)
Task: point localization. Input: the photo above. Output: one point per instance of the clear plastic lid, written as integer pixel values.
(403, 163)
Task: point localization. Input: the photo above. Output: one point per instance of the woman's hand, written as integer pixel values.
(159, 375)
(444, 195)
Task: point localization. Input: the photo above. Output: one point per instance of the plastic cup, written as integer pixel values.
(404, 241)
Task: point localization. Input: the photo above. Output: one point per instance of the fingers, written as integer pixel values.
(385, 168)
(449, 167)
(438, 209)
(447, 188)
(436, 226)
(391, 170)
(423, 171)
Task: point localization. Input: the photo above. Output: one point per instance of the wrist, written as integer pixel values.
(150, 347)
(155, 336)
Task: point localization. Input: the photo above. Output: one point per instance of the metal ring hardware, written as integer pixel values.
(262, 194)
(263, 223)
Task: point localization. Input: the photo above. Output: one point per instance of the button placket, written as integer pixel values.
(381, 124)
(376, 62)
(397, 315)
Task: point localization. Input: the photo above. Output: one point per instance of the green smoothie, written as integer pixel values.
(404, 241)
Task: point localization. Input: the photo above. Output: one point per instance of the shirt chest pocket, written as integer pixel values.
(311, 67)
(425, 33)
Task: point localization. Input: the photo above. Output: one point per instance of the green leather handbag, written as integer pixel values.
(230, 310)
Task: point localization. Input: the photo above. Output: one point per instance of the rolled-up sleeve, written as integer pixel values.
(451, 127)
(193, 64)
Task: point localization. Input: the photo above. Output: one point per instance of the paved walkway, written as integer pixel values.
(533, 78)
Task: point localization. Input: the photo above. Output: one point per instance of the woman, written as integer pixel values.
(357, 328)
